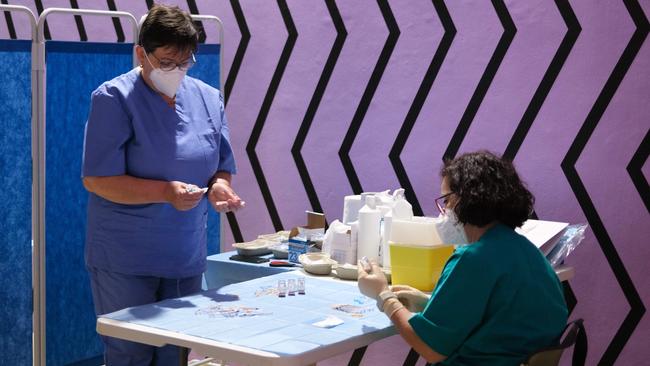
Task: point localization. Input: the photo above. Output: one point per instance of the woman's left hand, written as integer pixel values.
(223, 198)
(373, 283)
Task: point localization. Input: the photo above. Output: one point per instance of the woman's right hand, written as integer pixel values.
(183, 196)
(413, 299)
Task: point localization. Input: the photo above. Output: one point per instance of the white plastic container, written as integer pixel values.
(385, 238)
(369, 239)
(337, 243)
(418, 231)
(402, 209)
(351, 207)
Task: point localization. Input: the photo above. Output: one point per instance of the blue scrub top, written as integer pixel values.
(131, 130)
(497, 301)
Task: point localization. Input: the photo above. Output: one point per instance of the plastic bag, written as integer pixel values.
(570, 239)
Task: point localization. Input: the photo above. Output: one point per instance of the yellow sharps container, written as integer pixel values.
(418, 266)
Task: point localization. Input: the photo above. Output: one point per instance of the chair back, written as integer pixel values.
(574, 333)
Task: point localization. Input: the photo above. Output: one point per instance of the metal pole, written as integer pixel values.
(38, 287)
(220, 27)
(39, 68)
(37, 276)
(110, 13)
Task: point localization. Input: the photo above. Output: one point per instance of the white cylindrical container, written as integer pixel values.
(383, 210)
(369, 230)
(402, 210)
(385, 238)
(351, 207)
(354, 236)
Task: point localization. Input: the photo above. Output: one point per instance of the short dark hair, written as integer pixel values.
(167, 26)
(487, 188)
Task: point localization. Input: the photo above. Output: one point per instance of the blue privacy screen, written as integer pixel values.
(16, 207)
(207, 69)
(74, 70)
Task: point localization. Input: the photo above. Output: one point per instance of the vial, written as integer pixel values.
(301, 286)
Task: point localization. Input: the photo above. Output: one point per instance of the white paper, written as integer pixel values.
(541, 232)
(330, 322)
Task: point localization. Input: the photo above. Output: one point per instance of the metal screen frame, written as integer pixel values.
(39, 77)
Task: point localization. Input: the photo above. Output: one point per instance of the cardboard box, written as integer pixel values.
(296, 248)
(315, 224)
(315, 220)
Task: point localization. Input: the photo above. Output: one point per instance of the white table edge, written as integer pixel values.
(230, 352)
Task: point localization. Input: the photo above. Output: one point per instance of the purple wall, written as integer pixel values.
(565, 90)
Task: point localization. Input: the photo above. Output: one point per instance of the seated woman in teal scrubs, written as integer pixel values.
(498, 299)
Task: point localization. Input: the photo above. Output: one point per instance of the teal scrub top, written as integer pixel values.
(497, 301)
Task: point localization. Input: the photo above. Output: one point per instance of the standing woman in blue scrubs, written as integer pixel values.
(156, 156)
(498, 299)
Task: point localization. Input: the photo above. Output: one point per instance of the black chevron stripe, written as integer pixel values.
(637, 308)
(80, 23)
(241, 48)
(634, 169)
(337, 46)
(116, 22)
(230, 81)
(46, 28)
(551, 74)
(234, 227)
(191, 4)
(569, 297)
(10, 22)
(369, 92)
(418, 102)
(264, 111)
(509, 31)
(412, 358)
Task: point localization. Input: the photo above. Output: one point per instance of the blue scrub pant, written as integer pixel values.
(114, 291)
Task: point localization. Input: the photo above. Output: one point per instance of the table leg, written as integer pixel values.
(355, 360)
(183, 354)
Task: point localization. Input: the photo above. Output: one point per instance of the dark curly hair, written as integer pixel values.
(487, 188)
(168, 26)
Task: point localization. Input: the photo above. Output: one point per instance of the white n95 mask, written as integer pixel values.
(450, 230)
(167, 82)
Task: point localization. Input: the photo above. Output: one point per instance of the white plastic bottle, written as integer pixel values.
(402, 209)
(369, 239)
(384, 210)
(385, 238)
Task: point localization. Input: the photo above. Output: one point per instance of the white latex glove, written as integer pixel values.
(414, 299)
(373, 283)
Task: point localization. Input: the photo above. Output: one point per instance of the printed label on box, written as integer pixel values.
(296, 248)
